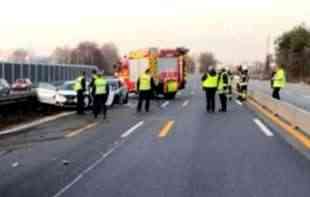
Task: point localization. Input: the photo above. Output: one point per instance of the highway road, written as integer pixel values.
(296, 94)
(175, 150)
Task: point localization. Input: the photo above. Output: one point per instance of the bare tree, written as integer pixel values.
(88, 53)
(206, 59)
(20, 56)
(111, 57)
(61, 55)
(190, 64)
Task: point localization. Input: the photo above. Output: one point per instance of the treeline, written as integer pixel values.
(293, 52)
(106, 57)
(206, 59)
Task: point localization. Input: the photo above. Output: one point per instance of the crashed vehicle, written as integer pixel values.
(64, 95)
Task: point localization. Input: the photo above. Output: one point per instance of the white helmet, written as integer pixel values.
(273, 65)
(244, 68)
(210, 68)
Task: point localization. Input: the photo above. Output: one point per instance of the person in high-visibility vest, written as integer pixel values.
(209, 84)
(145, 86)
(230, 81)
(244, 80)
(80, 87)
(278, 81)
(92, 86)
(101, 94)
(222, 89)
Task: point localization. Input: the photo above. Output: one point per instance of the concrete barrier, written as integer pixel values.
(293, 115)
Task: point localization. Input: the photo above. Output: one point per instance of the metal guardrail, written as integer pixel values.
(42, 72)
(293, 115)
(17, 98)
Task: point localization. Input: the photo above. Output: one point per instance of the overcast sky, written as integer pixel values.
(235, 30)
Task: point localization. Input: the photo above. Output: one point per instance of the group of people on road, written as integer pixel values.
(99, 90)
(213, 83)
(221, 83)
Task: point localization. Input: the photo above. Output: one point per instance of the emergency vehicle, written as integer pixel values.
(167, 66)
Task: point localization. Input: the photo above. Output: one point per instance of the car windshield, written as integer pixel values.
(67, 86)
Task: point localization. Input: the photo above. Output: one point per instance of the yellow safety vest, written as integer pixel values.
(279, 80)
(172, 86)
(101, 86)
(210, 82)
(95, 76)
(222, 85)
(78, 83)
(145, 82)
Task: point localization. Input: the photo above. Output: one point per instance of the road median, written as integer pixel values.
(292, 119)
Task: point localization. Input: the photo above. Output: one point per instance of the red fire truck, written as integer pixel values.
(168, 68)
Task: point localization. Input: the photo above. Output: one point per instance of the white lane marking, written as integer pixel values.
(84, 172)
(131, 105)
(263, 127)
(185, 103)
(132, 129)
(165, 104)
(238, 102)
(15, 164)
(35, 123)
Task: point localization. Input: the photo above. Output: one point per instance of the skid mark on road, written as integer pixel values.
(164, 131)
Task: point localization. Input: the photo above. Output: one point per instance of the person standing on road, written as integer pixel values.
(209, 83)
(244, 80)
(145, 86)
(101, 95)
(222, 89)
(229, 85)
(80, 87)
(92, 86)
(278, 82)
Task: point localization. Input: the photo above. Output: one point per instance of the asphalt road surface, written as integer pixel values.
(176, 150)
(296, 94)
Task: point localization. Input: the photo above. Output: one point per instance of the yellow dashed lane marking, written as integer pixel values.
(164, 131)
(77, 132)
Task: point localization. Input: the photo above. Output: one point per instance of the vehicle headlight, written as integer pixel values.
(60, 98)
